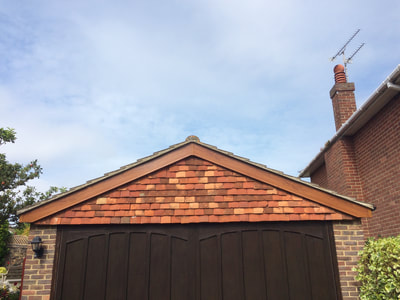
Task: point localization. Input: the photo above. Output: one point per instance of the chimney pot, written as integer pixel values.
(340, 76)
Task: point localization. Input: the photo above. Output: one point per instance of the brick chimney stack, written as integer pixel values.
(342, 95)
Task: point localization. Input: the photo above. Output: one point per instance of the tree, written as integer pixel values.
(13, 177)
(14, 193)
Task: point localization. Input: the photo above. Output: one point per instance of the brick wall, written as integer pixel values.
(342, 170)
(38, 271)
(377, 149)
(320, 176)
(349, 240)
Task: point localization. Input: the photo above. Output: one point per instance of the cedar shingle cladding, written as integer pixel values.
(194, 190)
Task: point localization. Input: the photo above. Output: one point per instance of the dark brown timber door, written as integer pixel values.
(253, 261)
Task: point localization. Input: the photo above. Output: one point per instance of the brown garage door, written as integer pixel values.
(197, 261)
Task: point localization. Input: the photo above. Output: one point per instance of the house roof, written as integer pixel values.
(193, 147)
(389, 88)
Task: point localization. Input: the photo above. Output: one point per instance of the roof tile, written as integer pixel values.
(175, 199)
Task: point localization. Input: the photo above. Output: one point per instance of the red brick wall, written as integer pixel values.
(38, 271)
(193, 191)
(342, 170)
(377, 148)
(320, 177)
(349, 240)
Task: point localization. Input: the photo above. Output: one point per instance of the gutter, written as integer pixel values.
(355, 121)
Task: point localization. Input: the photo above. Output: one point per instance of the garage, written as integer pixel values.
(194, 222)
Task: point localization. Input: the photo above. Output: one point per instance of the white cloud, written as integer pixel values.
(93, 85)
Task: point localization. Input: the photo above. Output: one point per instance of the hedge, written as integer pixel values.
(379, 269)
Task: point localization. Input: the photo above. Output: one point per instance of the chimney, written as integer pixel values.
(342, 95)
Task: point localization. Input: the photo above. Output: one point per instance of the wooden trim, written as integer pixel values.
(216, 157)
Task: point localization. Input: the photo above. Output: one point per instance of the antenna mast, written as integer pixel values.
(343, 49)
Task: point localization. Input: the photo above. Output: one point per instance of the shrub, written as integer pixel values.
(379, 269)
(4, 237)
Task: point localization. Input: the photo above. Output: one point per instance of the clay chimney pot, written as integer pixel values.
(340, 76)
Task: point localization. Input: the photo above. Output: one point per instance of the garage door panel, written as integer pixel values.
(209, 268)
(159, 267)
(96, 267)
(253, 265)
(182, 270)
(74, 267)
(117, 266)
(138, 266)
(274, 265)
(297, 272)
(232, 274)
(317, 259)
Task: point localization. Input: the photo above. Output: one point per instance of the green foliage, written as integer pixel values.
(4, 237)
(379, 269)
(7, 136)
(14, 194)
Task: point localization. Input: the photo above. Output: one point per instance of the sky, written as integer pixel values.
(90, 86)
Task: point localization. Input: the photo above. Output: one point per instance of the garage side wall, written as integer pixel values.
(349, 240)
(38, 271)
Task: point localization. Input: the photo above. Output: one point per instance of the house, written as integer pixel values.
(195, 222)
(362, 160)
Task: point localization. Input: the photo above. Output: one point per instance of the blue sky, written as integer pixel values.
(90, 86)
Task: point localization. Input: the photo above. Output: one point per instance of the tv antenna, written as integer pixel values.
(343, 49)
